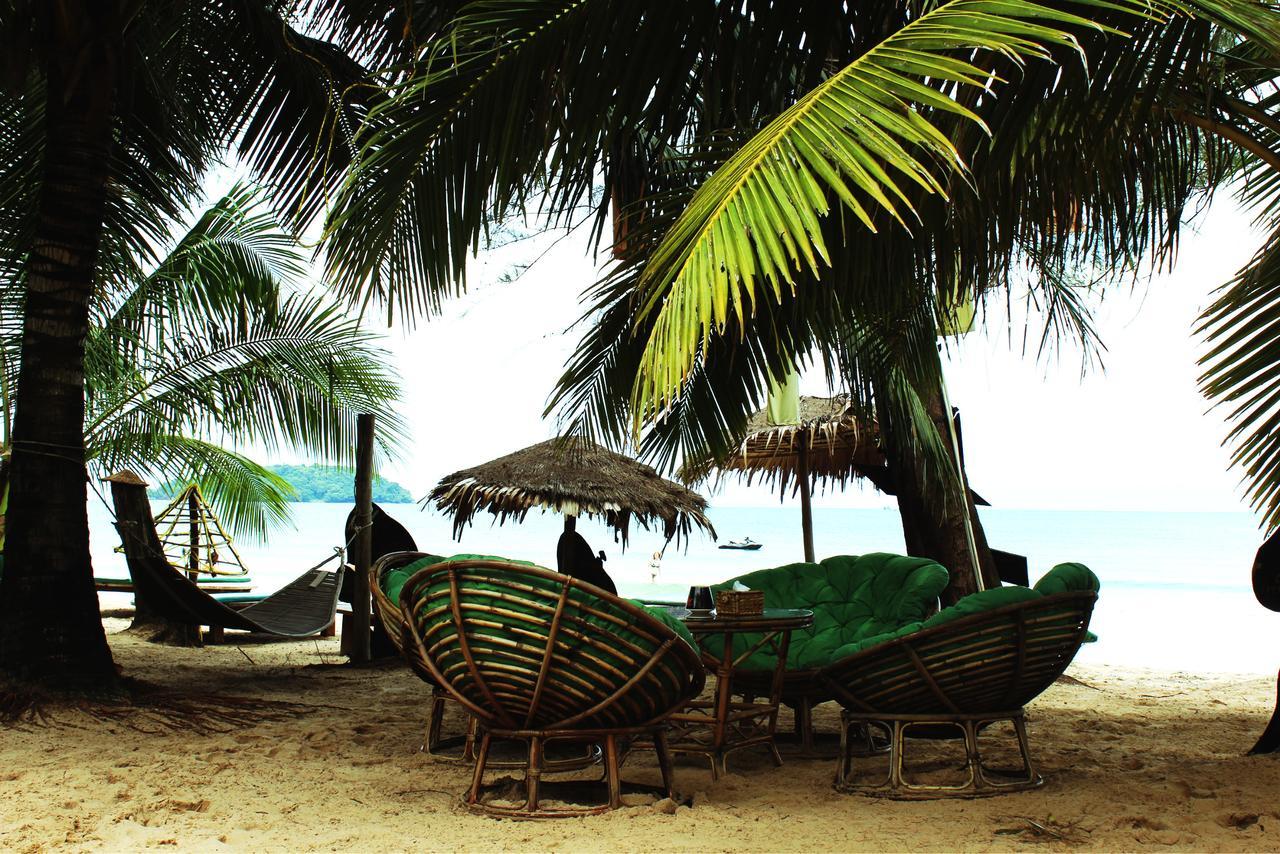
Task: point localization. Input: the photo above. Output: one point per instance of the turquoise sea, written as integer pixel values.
(1175, 595)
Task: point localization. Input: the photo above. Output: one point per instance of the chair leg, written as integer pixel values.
(469, 745)
(477, 778)
(804, 725)
(533, 774)
(664, 762)
(1029, 776)
(613, 772)
(1020, 728)
(434, 724)
(972, 760)
(844, 760)
(895, 756)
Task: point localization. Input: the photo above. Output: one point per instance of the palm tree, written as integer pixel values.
(113, 113)
(784, 179)
(219, 345)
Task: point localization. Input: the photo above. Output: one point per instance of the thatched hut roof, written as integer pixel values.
(577, 478)
(841, 445)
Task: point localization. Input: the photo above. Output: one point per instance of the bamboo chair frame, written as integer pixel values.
(540, 657)
(458, 747)
(392, 621)
(956, 677)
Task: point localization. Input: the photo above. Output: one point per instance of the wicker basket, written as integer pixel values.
(740, 603)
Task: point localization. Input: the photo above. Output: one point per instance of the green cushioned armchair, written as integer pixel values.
(852, 598)
(954, 674)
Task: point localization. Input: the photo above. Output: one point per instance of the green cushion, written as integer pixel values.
(851, 597)
(1063, 578)
(662, 615)
(393, 581)
(1068, 578)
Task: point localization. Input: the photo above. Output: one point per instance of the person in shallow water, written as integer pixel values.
(574, 557)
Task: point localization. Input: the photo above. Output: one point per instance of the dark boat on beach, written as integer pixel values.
(746, 544)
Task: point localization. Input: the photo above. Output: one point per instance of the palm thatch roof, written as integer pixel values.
(840, 445)
(577, 478)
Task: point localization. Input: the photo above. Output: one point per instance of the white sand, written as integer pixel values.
(1142, 759)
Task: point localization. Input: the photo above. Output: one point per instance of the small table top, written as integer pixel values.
(771, 619)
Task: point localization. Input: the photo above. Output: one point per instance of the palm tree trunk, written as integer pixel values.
(934, 522)
(51, 634)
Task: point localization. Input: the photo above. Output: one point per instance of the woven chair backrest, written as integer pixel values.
(530, 649)
(993, 661)
(388, 612)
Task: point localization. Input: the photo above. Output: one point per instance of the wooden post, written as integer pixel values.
(358, 645)
(193, 557)
(570, 523)
(806, 508)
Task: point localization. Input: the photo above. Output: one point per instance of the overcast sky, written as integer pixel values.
(1135, 436)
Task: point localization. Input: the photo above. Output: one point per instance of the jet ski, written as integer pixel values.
(746, 544)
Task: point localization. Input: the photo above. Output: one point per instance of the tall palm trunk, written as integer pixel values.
(50, 626)
(937, 522)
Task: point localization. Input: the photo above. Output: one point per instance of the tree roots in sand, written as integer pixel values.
(142, 707)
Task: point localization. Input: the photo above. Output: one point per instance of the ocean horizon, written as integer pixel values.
(1176, 591)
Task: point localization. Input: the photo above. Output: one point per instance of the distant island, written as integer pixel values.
(327, 484)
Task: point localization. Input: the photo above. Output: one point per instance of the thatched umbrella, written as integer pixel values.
(576, 478)
(827, 442)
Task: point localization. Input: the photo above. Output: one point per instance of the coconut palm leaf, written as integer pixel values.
(529, 102)
(251, 499)
(295, 378)
(212, 348)
(861, 136)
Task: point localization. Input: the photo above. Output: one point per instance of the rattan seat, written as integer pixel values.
(392, 620)
(541, 657)
(955, 679)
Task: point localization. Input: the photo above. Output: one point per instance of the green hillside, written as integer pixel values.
(327, 484)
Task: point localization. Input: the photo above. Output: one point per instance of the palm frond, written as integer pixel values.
(1242, 373)
(251, 499)
(865, 137)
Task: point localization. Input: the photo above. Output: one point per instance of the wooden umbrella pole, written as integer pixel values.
(193, 557)
(357, 646)
(806, 508)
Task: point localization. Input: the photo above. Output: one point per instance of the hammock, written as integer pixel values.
(304, 607)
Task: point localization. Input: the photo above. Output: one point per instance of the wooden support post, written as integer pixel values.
(193, 557)
(358, 645)
(806, 507)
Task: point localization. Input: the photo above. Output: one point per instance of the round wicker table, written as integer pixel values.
(717, 727)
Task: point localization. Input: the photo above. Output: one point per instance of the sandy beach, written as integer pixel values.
(1134, 760)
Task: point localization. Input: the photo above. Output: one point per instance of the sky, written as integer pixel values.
(1136, 435)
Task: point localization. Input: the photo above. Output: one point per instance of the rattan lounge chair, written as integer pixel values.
(393, 624)
(852, 597)
(537, 656)
(386, 578)
(967, 667)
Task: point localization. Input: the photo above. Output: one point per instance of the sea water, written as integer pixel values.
(1175, 586)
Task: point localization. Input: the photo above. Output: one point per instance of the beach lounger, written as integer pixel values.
(536, 657)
